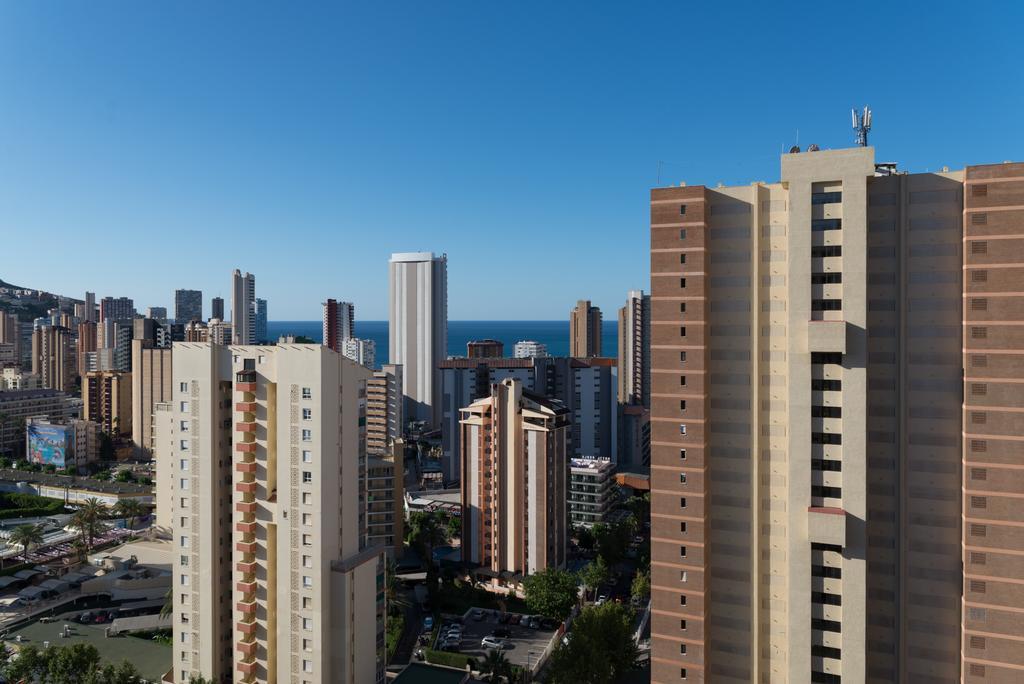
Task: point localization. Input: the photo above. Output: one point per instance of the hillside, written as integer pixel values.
(34, 304)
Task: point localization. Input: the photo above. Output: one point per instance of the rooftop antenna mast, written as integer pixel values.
(862, 124)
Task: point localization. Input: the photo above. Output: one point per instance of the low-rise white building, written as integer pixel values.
(590, 490)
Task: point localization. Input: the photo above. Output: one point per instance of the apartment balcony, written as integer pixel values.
(246, 508)
(247, 467)
(246, 406)
(247, 670)
(246, 447)
(246, 527)
(246, 587)
(246, 547)
(246, 648)
(246, 607)
(246, 387)
(246, 628)
(826, 525)
(246, 567)
(246, 487)
(826, 336)
(246, 428)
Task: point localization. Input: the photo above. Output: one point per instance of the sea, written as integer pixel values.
(555, 334)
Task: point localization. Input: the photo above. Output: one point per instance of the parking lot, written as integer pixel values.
(525, 645)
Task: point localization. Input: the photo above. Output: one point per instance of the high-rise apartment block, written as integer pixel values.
(107, 400)
(157, 313)
(68, 443)
(117, 309)
(53, 359)
(217, 308)
(485, 349)
(271, 584)
(260, 314)
(338, 323)
(363, 352)
(585, 387)
(514, 482)
(90, 307)
(418, 328)
(635, 349)
(151, 385)
(385, 500)
(591, 493)
(243, 303)
(385, 419)
(585, 330)
(86, 345)
(528, 349)
(188, 306)
(10, 332)
(811, 335)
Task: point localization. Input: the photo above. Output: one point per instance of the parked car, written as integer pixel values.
(504, 618)
(428, 622)
(501, 633)
(85, 618)
(493, 642)
(478, 614)
(514, 620)
(601, 600)
(452, 646)
(533, 622)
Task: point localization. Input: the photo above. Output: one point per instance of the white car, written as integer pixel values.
(601, 600)
(493, 642)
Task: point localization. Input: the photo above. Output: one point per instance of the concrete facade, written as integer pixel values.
(243, 308)
(151, 385)
(418, 328)
(585, 330)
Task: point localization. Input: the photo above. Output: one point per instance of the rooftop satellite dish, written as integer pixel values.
(813, 148)
(794, 149)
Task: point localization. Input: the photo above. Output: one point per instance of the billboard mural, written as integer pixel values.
(48, 444)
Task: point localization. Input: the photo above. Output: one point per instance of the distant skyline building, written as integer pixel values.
(418, 328)
(107, 400)
(635, 349)
(158, 313)
(514, 485)
(485, 349)
(217, 308)
(151, 385)
(261, 321)
(528, 349)
(585, 330)
(86, 344)
(338, 323)
(385, 420)
(243, 308)
(53, 359)
(90, 306)
(117, 309)
(188, 306)
(361, 351)
(10, 332)
(25, 404)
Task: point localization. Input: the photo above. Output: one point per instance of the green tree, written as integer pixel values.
(66, 664)
(26, 536)
(585, 538)
(130, 509)
(425, 533)
(125, 673)
(168, 607)
(87, 519)
(641, 586)
(595, 574)
(600, 650)
(552, 592)
(613, 540)
(495, 666)
(394, 596)
(454, 527)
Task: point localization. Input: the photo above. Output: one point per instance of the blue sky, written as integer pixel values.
(150, 146)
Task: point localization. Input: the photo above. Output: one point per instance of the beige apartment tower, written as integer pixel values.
(385, 419)
(584, 330)
(53, 359)
(271, 584)
(806, 401)
(151, 385)
(107, 400)
(514, 482)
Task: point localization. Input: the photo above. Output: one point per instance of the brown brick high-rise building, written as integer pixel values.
(993, 424)
(808, 368)
(584, 330)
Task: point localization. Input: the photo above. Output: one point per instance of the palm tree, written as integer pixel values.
(393, 594)
(130, 509)
(425, 533)
(26, 536)
(168, 606)
(87, 519)
(496, 666)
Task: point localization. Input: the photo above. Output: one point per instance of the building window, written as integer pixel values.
(682, 478)
(184, 542)
(682, 502)
(307, 624)
(307, 540)
(183, 483)
(183, 406)
(682, 380)
(307, 477)
(682, 625)
(682, 210)
(183, 444)
(307, 561)
(682, 552)
(682, 331)
(826, 197)
(682, 234)
(307, 581)
(183, 426)
(307, 456)
(682, 526)
(183, 464)
(682, 575)
(682, 282)
(682, 258)
(682, 404)
(307, 393)
(183, 387)
(682, 454)
(307, 435)
(307, 603)
(307, 414)
(307, 644)
(307, 498)
(682, 649)
(183, 561)
(307, 665)
(682, 599)
(183, 579)
(682, 673)
(682, 429)
(307, 519)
